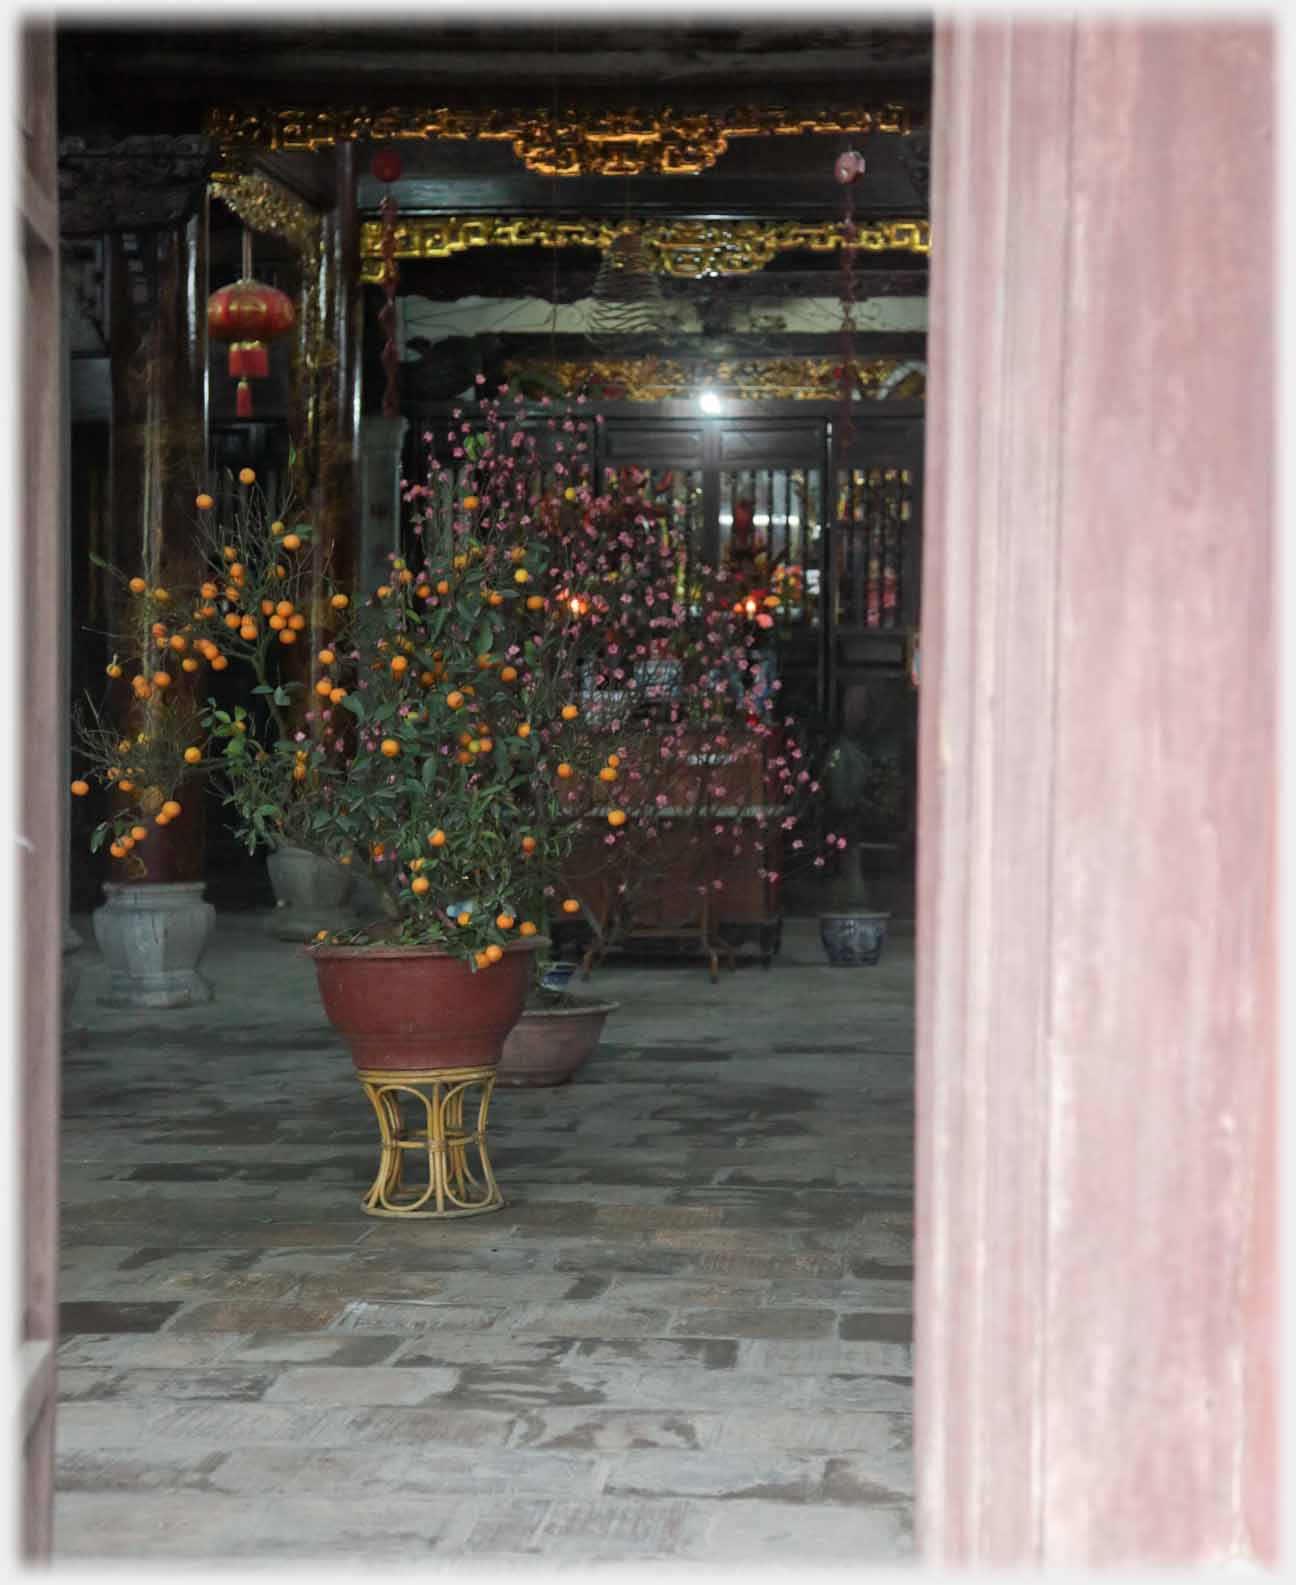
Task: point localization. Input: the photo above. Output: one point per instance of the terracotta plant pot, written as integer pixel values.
(415, 1009)
(548, 1045)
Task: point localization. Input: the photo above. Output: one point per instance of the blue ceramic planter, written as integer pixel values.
(852, 939)
(556, 978)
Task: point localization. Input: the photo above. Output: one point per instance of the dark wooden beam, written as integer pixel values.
(135, 183)
(767, 176)
(700, 348)
(309, 175)
(681, 63)
(569, 277)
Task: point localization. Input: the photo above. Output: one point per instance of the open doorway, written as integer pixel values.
(722, 1197)
(1069, 1203)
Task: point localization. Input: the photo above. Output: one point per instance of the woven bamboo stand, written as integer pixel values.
(451, 1149)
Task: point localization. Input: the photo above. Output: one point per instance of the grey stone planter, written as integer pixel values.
(152, 939)
(311, 895)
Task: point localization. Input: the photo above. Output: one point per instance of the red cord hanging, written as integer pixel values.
(848, 169)
(386, 167)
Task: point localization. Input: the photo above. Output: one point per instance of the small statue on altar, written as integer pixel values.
(746, 557)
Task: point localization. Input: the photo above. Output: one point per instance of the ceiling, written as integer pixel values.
(141, 78)
(136, 80)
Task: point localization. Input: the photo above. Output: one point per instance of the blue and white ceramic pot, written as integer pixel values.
(853, 938)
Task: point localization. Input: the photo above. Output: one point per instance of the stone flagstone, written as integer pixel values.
(686, 1338)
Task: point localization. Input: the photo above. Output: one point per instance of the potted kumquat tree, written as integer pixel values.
(257, 591)
(266, 601)
(446, 756)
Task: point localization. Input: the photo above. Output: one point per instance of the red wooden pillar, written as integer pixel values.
(38, 919)
(1096, 998)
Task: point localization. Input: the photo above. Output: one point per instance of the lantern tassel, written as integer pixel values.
(243, 400)
(249, 360)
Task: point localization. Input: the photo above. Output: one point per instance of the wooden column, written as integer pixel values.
(326, 409)
(37, 923)
(325, 406)
(159, 445)
(1096, 996)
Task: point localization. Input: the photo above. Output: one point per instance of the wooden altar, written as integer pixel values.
(703, 870)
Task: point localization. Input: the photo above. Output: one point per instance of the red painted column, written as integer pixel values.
(39, 799)
(1096, 997)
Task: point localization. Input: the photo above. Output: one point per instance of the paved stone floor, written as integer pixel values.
(686, 1337)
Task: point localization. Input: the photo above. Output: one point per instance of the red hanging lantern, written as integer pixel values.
(248, 314)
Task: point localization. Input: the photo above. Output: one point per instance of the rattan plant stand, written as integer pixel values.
(459, 1179)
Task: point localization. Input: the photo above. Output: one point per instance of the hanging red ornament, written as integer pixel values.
(386, 166)
(248, 314)
(849, 167)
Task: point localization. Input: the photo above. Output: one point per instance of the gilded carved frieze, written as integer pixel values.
(687, 248)
(562, 142)
(266, 206)
(755, 379)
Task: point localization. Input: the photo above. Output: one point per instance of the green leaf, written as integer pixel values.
(282, 696)
(355, 705)
(263, 687)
